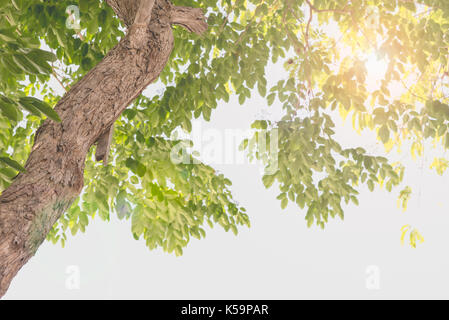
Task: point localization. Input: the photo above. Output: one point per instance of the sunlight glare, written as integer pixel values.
(376, 67)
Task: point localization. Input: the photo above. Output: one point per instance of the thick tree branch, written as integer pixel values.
(55, 168)
(192, 19)
(143, 15)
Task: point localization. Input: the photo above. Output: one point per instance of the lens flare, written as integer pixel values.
(376, 67)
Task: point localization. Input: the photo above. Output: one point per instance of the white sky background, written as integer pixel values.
(279, 257)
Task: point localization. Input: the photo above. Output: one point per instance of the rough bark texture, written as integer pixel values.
(189, 18)
(125, 9)
(54, 171)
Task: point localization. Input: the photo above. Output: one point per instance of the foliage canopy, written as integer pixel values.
(325, 72)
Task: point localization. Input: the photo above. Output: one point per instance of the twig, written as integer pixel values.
(57, 78)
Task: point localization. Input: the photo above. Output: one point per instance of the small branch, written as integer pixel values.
(226, 20)
(104, 146)
(57, 79)
(192, 19)
(308, 27)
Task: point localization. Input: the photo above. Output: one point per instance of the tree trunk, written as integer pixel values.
(54, 170)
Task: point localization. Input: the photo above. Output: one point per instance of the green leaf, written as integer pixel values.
(13, 164)
(41, 106)
(370, 185)
(7, 35)
(28, 106)
(270, 99)
(268, 180)
(9, 110)
(384, 134)
(25, 64)
(284, 203)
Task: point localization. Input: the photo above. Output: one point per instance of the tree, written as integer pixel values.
(105, 53)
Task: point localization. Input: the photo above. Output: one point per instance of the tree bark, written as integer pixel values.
(54, 170)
